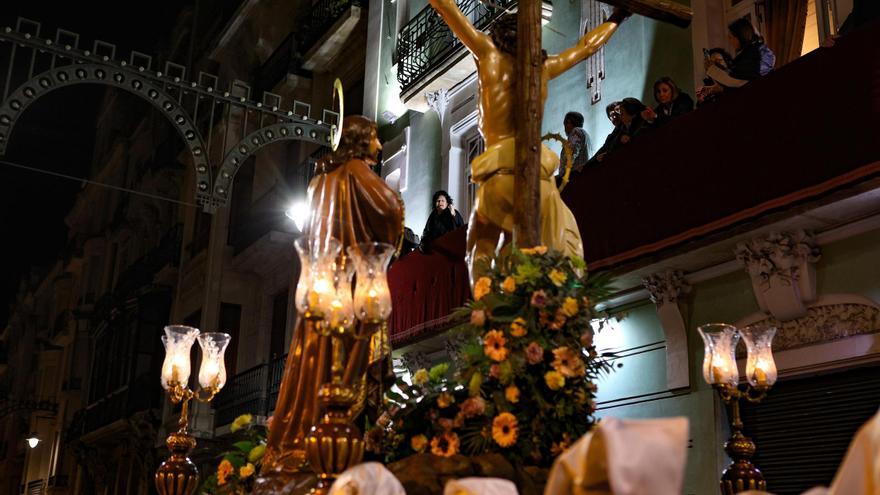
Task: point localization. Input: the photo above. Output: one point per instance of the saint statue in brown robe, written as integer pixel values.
(350, 203)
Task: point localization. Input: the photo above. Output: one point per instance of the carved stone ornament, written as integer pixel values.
(666, 287)
(782, 272)
(832, 317)
(438, 100)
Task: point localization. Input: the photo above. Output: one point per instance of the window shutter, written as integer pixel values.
(804, 426)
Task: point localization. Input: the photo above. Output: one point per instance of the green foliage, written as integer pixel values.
(238, 466)
(528, 352)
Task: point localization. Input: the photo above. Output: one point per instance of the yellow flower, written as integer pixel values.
(223, 471)
(418, 443)
(509, 285)
(482, 287)
(567, 362)
(256, 453)
(504, 429)
(493, 345)
(444, 400)
(554, 380)
(570, 306)
(445, 445)
(240, 422)
(518, 327)
(511, 393)
(246, 471)
(557, 277)
(420, 378)
(535, 250)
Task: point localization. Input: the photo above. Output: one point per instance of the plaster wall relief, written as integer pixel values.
(831, 317)
(667, 290)
(781, 267)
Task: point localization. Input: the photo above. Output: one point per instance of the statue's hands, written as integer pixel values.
(619, 15)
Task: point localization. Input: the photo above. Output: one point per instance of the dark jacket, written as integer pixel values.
(441, 223)
(610, 143)
(752, 62)
(681, 105)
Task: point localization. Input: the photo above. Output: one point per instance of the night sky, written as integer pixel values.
(57, 132)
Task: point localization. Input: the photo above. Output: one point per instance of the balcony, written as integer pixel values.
(28, 406)
(253, 391)
(429, 56)
(682, 195)
(328, 27)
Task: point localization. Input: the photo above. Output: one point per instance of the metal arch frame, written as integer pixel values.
(69, 75)
(317, 132)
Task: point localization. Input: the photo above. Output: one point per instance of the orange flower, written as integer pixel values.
(246, 471)
(223, 471)
(482, 287)
(567, 362)
(518, 327)
(478, 317)
(511, 393)
(570, 306)
(493, 345)
(445, 445)
(509, 285)
(444, 400)
(418, 443)
(504, 429)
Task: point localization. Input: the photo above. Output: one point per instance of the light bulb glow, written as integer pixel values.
(299, 213)
(33, 441)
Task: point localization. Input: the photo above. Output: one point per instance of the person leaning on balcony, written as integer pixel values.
(578, 139)
(612, 111)
(444, 218)
(632, 122)
(671, 102)
(718, 58)
(753, 59)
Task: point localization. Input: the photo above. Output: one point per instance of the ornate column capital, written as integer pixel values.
(666, 287)
(438, 100)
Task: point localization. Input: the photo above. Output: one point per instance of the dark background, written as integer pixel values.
(57, 132)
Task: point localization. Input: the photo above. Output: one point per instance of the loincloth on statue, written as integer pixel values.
(492, 171)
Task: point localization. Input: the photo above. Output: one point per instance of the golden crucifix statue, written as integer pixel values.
(496, 58)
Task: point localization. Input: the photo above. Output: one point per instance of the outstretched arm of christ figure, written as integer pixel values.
(555, 65)
(475, 40)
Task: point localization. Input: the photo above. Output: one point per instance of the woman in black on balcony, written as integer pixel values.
(671, 102)
(753, 59)
(444, 218)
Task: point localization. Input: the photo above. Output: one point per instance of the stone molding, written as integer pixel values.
(830, 318)
(781, 267)
(667, 289)
(438, 101)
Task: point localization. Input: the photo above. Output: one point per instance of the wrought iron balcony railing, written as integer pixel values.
(322, 15)
(253, 391)
(426, 42)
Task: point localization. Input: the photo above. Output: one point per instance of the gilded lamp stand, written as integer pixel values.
(178, 475)
(720, 371)
(324, 300)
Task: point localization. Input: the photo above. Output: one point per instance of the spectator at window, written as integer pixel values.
(577, 138)
(671, 102)
(444, 218)
(612, 111)
(753, 59)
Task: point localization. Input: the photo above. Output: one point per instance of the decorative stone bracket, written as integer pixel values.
(666, 289)
(782, 272)
(438, 101)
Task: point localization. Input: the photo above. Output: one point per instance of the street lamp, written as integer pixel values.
(32, 440)
(720, 371)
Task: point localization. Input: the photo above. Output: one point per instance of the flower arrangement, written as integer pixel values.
(238, 466)
(525, 383)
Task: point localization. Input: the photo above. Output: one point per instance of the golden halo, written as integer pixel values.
(336, 129)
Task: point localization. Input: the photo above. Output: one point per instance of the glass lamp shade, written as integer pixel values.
(212, 374)
(178, 341)
(340, 317)
(315, 288)
(372, 298)
(760, 366)
(719, 359)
